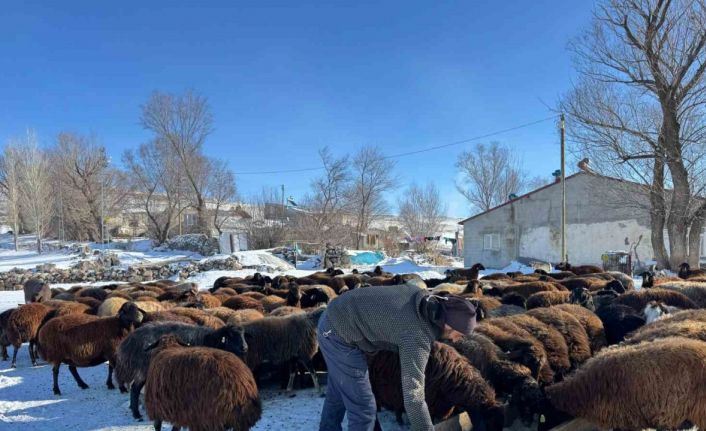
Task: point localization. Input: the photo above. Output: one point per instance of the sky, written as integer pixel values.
(284, 79)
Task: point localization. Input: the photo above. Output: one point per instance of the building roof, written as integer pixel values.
(523, 197)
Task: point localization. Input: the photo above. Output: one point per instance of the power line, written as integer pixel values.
(423, 150)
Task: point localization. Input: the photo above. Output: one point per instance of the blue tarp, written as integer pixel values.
(367, 258)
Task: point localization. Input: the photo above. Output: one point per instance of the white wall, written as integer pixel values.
(585, 242)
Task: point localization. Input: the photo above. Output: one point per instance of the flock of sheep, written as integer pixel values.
(577, 342)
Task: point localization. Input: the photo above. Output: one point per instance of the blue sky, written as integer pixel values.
(285, 78)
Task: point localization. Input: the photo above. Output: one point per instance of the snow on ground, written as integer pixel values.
(28, 404)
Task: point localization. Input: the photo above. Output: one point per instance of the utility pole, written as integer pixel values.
(102, 212)
(564, 257)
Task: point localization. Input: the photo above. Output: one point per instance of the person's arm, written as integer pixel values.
(414, 355)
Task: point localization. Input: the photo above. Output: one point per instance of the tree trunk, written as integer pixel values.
(201, 217)
(677, 222)
(695, 231)
(657, 214)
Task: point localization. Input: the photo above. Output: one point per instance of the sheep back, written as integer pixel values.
(590, 322)
(24, 322)
(547, 299)
(635, 387)
(572, 330)
(638, 300)
(201, 389)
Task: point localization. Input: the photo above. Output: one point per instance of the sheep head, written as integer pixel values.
(654, 311)
(478, 267)
(616, 286)
(648, 279)
(582, 297)
(130, 316)
(684, 269)
(230, 338)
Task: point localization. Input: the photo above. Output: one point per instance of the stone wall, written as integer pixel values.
(104, 269)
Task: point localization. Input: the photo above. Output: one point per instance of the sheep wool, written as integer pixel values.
(636, 387)
(200, 388)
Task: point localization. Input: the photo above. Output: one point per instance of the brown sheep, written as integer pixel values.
(199, 317)
(688, 329)
(527, 289)
(547, 299)
(62, 308)
(552, 340)
(505, 376)
(225, 291)
(4, 342)
(254, 295)
(695, 292)
(526, 349)
(222, 313)
(497, 276)
(579, 269)
(613, 389)
(284, 340)
(685, 272)
(208, 300)
(23, 325)
(81, 340)
(200, 388)
(451, 384)
(240, 302)
(590, 322)
(166, 316)
(286, 311)
(93, 292)
(572, 330)
(241, 317)
(36, 290)
(467, 273)
(638, 300)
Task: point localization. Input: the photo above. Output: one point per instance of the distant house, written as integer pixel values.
(603, 214)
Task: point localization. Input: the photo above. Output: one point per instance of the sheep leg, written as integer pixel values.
(135, 399)
(55, 375)
(5, 357)
(292, 366)
(158, 425)
(81, 384)
(310, 369)
(109, 382)
(32, 353)
(14, 356)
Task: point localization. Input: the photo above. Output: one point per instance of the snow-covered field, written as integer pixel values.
(26, 399)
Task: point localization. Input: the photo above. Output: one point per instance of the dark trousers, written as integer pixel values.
(348, 388)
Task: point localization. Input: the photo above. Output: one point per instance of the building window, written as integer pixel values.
(189, 219)
(491, 241)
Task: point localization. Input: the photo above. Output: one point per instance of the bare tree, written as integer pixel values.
(322, 220)
(90, 188)
(184, 122)
(155, 177)
(267, 226)
(641, 100)
(10, 186)
(489, 174)
(221, 190)
(372, 178)
(35, 186)
(422, 212)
